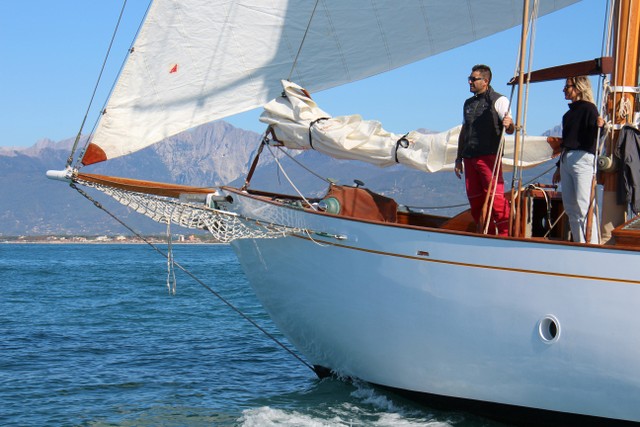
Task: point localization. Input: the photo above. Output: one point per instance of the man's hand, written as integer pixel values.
(459, 169)
(507, 122)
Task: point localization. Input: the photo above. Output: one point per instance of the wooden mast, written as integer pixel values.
(514, 216)
(621, 105)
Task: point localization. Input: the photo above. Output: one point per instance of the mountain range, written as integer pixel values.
(209, 155)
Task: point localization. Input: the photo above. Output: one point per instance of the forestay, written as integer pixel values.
(298, 123)
(195, 61)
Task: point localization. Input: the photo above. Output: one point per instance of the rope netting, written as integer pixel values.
(224, 226)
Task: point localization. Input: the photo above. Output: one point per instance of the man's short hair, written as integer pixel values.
(484, 70)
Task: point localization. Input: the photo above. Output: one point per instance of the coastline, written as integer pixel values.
(108, 240)
(106, 243)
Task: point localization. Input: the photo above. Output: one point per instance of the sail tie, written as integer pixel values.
(311, 126)
(402, 142)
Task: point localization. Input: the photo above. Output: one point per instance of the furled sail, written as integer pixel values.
(196, 61)
(298, 123)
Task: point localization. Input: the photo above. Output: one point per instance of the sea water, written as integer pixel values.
(91, 336)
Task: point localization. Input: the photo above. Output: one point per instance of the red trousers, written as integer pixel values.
(477, 178)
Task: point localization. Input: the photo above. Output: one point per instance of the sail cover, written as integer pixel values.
(196, 61)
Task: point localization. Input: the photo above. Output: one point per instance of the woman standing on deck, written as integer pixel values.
(576, 166)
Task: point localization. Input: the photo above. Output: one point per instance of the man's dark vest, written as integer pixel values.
(482, 126)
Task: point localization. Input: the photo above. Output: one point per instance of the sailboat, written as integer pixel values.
(528, 326)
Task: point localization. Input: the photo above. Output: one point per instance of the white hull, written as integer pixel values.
(454, 314)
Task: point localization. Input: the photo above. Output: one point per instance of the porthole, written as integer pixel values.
(549, 329)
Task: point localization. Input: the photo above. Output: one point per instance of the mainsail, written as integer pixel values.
(196, 61)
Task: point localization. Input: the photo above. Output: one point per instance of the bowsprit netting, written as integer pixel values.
(224, 226)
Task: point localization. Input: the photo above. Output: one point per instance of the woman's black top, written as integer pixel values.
(580, 127)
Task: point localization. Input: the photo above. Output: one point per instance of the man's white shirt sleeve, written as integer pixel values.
(502, 107)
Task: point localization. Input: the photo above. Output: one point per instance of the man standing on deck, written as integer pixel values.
(484, 116)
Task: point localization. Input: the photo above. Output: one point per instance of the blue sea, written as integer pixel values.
(91, 336)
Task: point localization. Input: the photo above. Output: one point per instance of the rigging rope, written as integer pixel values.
(289, 180)
(493, 185)
(306, 31)
(194, 277)
(293, 159)
(532, 42)
(437, 207)
(78, 164)
(517, 177)
(525, 105)
(95, 88)
(171, 270)
(317, 175)
(593, 213)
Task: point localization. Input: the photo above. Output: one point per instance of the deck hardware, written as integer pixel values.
(333, 236)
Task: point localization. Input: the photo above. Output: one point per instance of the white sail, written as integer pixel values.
(195, 61)
(299, 123)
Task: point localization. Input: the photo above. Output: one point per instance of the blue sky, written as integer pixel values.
(52, 52)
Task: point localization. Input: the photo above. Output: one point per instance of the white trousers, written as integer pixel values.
(576, 174)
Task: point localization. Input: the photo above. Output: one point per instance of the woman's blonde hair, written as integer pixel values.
(583, 86)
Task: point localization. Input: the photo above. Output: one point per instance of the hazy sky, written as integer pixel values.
(51, 53)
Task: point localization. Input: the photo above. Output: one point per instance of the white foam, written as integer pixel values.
(266, 416)
(346, 415)
(367, 394)
(390, 413)
(367, 407)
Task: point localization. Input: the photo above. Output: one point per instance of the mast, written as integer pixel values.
(622, 103)
(514, 220)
